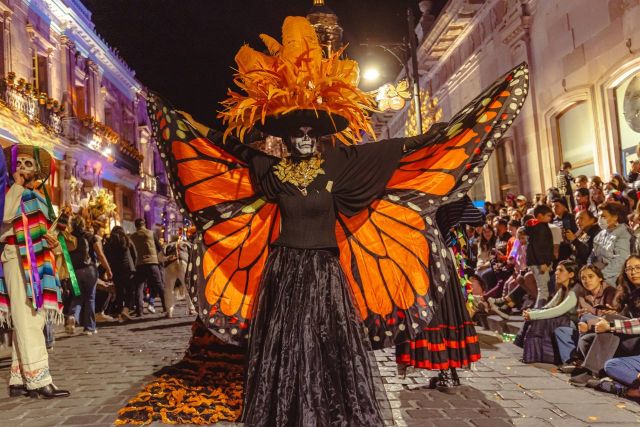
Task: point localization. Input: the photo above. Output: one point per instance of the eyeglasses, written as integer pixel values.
(633, 269)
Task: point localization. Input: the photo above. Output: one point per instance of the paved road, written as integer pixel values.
(105, 370)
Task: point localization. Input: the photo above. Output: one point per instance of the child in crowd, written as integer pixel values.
(540, 251)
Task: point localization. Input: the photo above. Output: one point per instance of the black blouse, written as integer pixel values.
(354, 177)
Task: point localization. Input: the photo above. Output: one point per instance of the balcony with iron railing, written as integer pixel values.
(110, 144)
(21, 97)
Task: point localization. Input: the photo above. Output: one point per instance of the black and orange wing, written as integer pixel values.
(235, 223)
(392, 253)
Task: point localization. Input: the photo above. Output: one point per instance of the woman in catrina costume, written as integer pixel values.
(310, 259)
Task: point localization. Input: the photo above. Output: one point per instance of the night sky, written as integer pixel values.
(184, 49)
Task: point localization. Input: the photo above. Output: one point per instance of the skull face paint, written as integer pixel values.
(302, 143)
(27, 167)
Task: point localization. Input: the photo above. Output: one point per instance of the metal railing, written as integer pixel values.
(24, 102)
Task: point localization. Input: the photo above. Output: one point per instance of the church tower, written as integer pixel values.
(325, 22)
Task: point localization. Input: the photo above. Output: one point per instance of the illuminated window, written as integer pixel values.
(627, 97)
(577, 138)
(40, 72)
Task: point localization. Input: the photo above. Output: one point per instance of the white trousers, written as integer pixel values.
(30, 360)
(172, 272)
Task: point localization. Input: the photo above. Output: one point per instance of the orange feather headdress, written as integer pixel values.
(296, 77)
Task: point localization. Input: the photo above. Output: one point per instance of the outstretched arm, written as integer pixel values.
(231, 145)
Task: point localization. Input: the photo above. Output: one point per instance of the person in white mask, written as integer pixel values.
(612, 245)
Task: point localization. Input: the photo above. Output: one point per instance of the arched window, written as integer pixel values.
(627, 102)
(577, 138)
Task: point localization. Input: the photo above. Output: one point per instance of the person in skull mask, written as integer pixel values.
(341, 249)
(30, 292)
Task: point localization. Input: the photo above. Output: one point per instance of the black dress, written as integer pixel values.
(307, 361)
(450, 340)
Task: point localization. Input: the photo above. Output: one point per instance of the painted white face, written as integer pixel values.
(27, 167)
(303, 143)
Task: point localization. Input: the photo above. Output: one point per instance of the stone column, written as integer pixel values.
(6, 28)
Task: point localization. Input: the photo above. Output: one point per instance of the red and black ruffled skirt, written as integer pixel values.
(450, 340)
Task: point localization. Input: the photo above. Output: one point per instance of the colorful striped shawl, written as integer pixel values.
(44, 293)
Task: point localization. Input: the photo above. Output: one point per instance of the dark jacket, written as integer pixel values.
(567, 222)
(121, 259)
(539, 244)
(583, 245)
(147, 246)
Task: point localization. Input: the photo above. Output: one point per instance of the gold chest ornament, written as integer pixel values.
(301, 173)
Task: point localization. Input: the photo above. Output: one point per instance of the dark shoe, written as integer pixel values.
(49, 391)
(17, 390)
(581, 380)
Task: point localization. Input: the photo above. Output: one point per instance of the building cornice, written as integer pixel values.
(75, 23)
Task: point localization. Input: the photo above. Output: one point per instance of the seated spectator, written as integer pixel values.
(539, 251)
(516, 215)
(617, 196)
(565, 222)
(595, 297)
(634, 226)
(616, 182)
(634, 169)
(632, 196)
(537, 334)
(521, 204)
(612, 245)
(508, 296)
(627, 297)
(582, 241)
(583, 200)
(624, 371)
(517, 264)
(596, 189)
(581, 181)
(553, 193)
(486, 248)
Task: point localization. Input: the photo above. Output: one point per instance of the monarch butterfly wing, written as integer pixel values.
(235, 224)
(390, 266)
(392, 253)
(448, 167)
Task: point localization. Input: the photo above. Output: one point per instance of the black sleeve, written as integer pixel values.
(134, 254)
(233, 146)
(364, 171)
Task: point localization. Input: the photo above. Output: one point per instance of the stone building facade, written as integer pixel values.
(584, 102)
(63, 88)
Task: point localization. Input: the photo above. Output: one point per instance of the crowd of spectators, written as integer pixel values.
(118, 276)
(568, 262)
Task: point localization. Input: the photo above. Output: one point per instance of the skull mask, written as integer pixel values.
(27, 167)
(302, 143)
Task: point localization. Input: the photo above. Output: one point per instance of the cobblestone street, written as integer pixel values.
(105, 370)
